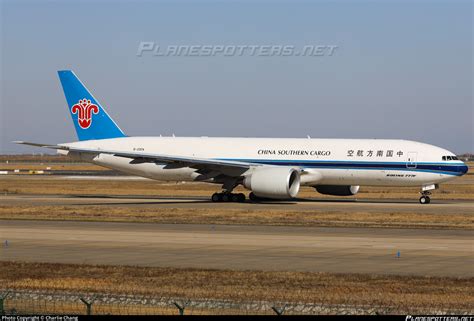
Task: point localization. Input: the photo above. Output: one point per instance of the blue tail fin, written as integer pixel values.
(90, 118)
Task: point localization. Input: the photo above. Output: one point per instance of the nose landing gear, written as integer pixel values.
(425, 199)
(426, 192)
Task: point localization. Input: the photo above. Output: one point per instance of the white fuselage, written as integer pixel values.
(324, 161)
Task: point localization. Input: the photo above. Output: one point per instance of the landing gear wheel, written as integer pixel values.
(425, 200)
(253, 197)
(237, 198)
(425, 197)
(216, 197)
(226, 197)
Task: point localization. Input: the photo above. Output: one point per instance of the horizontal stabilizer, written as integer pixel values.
(41, 145)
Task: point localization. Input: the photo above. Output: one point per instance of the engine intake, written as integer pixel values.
(275, 182)
(337, 190)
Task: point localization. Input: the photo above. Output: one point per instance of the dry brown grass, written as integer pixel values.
(38, 158)
(25, 167)
(242, 216)
(353, 289)
(40, 162)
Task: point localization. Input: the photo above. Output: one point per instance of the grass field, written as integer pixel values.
(243, 216)
(351, 289)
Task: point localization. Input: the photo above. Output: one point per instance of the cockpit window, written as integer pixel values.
(448, 158)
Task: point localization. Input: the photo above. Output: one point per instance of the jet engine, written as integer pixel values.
(337, 190)
(274, 182)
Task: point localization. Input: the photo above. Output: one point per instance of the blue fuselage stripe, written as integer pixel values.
(439, 168)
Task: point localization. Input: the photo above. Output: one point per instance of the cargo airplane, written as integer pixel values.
(271, 168)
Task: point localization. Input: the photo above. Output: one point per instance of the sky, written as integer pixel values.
(400, 69)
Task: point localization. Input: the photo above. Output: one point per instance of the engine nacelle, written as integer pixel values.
(274, 182)
(337, 190)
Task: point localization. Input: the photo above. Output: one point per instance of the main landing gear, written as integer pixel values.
(255, 198)
(228, 197)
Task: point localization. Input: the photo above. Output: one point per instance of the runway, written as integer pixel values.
(339, 250)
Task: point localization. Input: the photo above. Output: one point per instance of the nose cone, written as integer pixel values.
(463, 168)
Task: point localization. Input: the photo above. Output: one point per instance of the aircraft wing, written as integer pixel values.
(205, 165)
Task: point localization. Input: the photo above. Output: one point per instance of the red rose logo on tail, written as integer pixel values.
(84, 109)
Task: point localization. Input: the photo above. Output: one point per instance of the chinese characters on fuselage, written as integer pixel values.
(373, 153)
